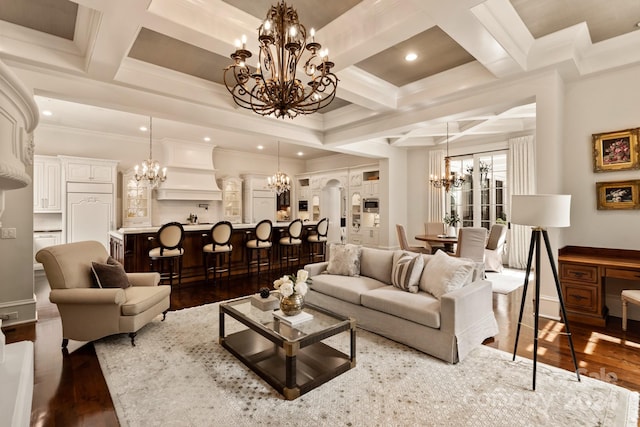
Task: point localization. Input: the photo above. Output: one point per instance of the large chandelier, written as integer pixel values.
(280, 181)
(274, 88)
(449, 179)
(150, 169)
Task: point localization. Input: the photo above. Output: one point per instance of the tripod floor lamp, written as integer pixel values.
(541, 211)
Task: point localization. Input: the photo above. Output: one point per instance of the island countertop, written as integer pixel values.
(131, 246)
(200, 227)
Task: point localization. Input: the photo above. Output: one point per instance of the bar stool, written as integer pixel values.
(219, 249)
(628, 296)
(262, 242)
(318, 240)
(170, 237)
(290, 245)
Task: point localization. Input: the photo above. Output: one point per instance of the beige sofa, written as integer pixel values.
(89, 312)
(447, 328)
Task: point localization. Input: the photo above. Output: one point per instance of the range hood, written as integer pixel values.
(190, 172)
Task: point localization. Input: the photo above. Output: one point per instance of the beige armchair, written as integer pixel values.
(495, 248)
(89, 312)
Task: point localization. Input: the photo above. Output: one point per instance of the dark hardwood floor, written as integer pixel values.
(69, 389)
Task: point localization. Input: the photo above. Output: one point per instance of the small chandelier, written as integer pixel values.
(150, 169)
(280, 181)
(449, 179)
(274, 88)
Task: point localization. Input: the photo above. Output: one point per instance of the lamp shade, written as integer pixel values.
(541, 210)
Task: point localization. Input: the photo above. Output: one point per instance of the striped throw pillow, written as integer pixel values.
(406, 272)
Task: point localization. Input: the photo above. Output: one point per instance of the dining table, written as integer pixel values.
(448, 241)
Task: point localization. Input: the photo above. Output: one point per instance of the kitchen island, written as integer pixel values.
(131, 245)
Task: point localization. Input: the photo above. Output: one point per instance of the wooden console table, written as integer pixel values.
(583, 274)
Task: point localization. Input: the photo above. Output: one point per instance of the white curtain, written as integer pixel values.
(435, 196)
(521, 180)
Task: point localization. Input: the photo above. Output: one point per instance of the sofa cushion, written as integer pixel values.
(345, 288)
(444, 273)
(377, 264)
(407, 270)
(140, 298)
(110, 274)
(420, 308)
(344, 260)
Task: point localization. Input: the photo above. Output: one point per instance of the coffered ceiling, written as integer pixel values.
(92, 60)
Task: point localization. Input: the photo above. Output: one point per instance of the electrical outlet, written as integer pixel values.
(9, 316)
(8, 233)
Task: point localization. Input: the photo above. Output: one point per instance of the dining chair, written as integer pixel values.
(404, 244)
(471, 244)
(495, 248)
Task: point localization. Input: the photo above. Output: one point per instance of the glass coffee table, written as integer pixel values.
(293, 359)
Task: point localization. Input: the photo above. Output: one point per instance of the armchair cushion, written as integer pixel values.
(142, 298)
(110, 274)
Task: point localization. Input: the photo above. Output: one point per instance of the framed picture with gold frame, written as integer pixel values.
(615, 151)
(618, 194)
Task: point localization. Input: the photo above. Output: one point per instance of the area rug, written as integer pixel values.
(178, 375)
(507, 281)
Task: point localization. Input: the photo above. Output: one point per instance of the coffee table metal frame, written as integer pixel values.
(292, 359)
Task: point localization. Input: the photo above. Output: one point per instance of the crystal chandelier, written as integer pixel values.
(274, 88)
(280, 181)
(449, 179)
(150, 169)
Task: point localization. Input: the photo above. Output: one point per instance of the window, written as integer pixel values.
(481, 201)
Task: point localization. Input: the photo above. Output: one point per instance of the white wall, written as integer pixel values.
(16, 262)
(600, 104)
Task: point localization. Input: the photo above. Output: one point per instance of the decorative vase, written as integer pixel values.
(451, 231)
(292, 304)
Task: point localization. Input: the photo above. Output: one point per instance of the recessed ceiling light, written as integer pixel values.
(260, 147)
(206, 138)
(638, 24)
(143, 128)
(47, 113)
(300, 153)
(411, 56)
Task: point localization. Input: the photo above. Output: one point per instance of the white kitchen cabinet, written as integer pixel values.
(90, 217)
(370, 237)
(355, 179)
(47, 183)
(42, 239)
(232, 199)
(88, 170)
(370, 183)
(136, 201)
(259, 200)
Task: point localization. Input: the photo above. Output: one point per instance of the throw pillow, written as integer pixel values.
(406, 272)
(445, 273)
(344, 260)
(110, 274)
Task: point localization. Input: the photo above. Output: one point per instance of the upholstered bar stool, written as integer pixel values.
(261, 243)
(215, 254)
(318, 240)
(290, 246)
(169, 252)
(628, 296)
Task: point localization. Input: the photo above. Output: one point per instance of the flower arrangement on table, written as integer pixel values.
(451, 220)
(290, 284)
(292, 290)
